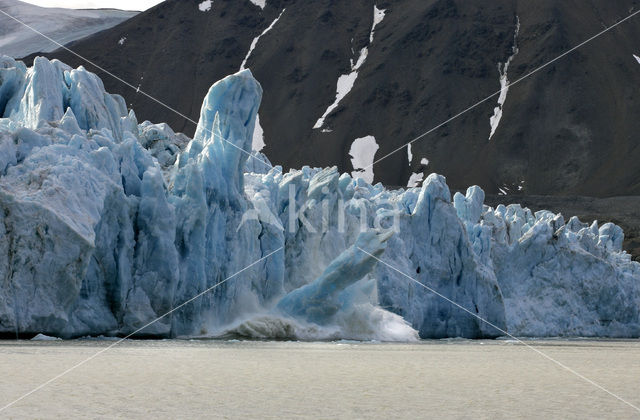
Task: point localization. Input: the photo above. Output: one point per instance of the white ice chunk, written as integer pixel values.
(42, 337)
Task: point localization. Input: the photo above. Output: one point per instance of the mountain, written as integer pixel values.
(569, 129)
(62, 25)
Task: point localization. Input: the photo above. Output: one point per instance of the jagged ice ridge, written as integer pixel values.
(106, 224)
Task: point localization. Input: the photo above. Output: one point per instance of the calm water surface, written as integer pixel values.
(231, 379)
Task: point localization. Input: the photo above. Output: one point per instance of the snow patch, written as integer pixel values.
(260, 3)
(494, 121)
(256, 39)
(378, 17)
(258, 136)
(346, 81)
(416, 177)
(637, 58)
(415, 180)
(362, 152)
(122, 40)
(205, 6)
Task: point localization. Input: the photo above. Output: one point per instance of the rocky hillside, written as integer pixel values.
(385, 72)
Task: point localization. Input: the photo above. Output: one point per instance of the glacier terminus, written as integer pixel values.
(107, 224)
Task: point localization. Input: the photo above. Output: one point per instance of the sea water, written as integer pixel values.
(255, 379)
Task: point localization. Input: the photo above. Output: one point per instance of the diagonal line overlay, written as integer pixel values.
(505, 88)
(137, 89)
(60, 375)
(279, 249)
(565, 367)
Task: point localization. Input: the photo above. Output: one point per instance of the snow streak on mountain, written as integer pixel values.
(393, 70)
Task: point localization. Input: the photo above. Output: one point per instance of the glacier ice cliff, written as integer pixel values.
(107, 224)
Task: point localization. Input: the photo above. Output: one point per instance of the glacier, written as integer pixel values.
(107, 224)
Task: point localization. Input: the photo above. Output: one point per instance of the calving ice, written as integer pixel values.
(107, 224)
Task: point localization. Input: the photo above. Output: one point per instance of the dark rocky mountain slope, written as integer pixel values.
(570, 129)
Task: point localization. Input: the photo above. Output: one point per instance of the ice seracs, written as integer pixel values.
(338, 297)
(107, 224)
